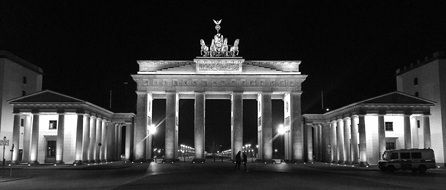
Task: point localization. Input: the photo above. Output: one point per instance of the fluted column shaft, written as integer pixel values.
(92, 139)
(354, 141)
(79, 137)
(140, 129)
(60, 138)
(237, 123)
(347, 137)
(381, 136)
(362, 141)
(171, 125)
(97, 148)
(16, 138)
(35, 139)
(407, 134)
(199, 124)
(426, 131)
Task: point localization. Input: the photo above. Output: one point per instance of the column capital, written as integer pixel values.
(141, 92)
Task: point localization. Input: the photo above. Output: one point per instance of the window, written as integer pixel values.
(24, 80)
(415, 81)
(389, 126)
(405, 155)
(416, 155)
(53, 124)
(22, 122)
(23, 93)
(418, 124)
(394, 156)
(390, 145)
(416, 94)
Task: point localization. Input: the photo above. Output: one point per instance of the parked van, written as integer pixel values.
(407, 159)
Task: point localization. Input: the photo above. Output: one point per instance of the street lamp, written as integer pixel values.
(281, 129)
(152, 129)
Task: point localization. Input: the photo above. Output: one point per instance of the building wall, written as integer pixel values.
(398, 129)
(11, 76)
(431, 86)
(45, 134)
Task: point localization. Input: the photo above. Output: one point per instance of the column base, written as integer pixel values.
(33, 163)
(265, 161)
(59, 162)
(77, 162)
(363, 164)
(170, 161)
(198, 161)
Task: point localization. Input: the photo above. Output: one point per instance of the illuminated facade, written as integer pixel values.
(359, 133)
(17, 78)
(50, 127)
(427, 79)
(219, 74)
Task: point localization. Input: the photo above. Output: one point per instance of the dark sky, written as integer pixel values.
(350, 50)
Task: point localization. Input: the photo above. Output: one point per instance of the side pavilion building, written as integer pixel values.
(359, 133)
(51, 127)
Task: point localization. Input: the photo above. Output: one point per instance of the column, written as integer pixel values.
(60, 138)
(109, 142)
(265, 121)
(199, 125)
(112, 142)
(354, 141)
(86, 138)
(128, 141)
(171, 126)
(333, 142)
(347, 137)
(92, 139)
(426, 131)
(362, 142)
(34, 140)
(119, 142)
(97, 148)
(316, 141)
(325, 142)
(309, 135)
(102, 154)
(16, 138)
(407, 137)
(287, 125)
(296, 127)
(414, 131)
(140, 129)
(79, 135)
(149, 137)
(26, 138)
(237, 123)
(381, 136)
(340, 135)
(320, 144)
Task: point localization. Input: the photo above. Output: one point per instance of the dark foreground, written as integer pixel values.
(217, 176)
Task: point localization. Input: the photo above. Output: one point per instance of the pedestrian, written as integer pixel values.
(238, 160)
(245, 160)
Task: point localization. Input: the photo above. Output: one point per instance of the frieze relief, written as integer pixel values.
(222, 83)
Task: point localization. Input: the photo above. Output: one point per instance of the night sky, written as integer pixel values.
(350, 50)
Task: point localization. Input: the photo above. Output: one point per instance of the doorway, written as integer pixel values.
(50, 154)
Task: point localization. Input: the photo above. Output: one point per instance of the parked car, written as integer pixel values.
(407, 159)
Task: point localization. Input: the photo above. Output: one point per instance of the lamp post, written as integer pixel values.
(10, 165)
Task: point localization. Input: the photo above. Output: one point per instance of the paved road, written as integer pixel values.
(221, 176)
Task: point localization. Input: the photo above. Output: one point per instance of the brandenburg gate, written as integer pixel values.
(219, 73)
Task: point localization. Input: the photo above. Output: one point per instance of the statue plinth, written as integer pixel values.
(219, 65)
